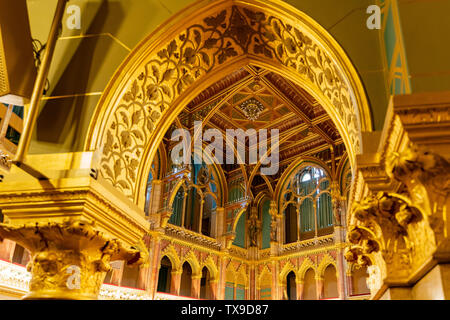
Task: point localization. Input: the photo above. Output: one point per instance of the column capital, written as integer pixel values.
(69, 259)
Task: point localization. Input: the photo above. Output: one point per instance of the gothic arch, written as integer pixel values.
(293, 169)
(306, 265)
(324, 263)
(238, 216)
(288, 267)
(194, 49)
(171, 253)
(181, 184)
(191, 258)
(265, 277)
(211, 265)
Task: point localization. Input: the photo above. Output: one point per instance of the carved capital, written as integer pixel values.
(383, 230)
(69, 259)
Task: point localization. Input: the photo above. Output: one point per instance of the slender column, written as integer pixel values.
(144, 278)
(220, 225)
(316, 222)
(155, 266)
(175, 283)
(195, 287)
(155, 197)
(7, 250)
(348, 277)
(252, 288)
(277, 293)
(222, 278)
(300, 287)
(184, 211)
(319, 287)
(340, 273)
(200, 221)
(214, 285)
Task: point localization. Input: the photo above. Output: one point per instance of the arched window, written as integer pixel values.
(177, 208)
(196, 202)
(148, 194)
(307, 205)
(165, 274)
(239, 240)
(154, 173)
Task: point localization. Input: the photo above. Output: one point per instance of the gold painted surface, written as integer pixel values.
(135, 116)
(403, 231)
(58, 248)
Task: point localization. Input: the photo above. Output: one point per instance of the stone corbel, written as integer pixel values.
(426, 176)
(386, 225)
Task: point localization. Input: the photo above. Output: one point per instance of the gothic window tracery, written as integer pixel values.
(196, 200)
(307, 205)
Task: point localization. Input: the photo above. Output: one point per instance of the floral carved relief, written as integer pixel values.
(196, 52)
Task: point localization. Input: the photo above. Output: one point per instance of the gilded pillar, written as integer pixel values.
(155, 265)
(222, 278)
(195, 288)
(214, 289)
(349, 281)
(319, 288)
(69, 260)
(399, 224)
(300, 286)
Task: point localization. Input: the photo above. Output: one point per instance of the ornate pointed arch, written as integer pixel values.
(194, 49)
(191, 258)
(171, 253)
(306, 265)
(212, 267)
(264, 276)
(241, 274)
(237, 217)
(183, 183)
(324, 263)
(288, 267)
(293, 169)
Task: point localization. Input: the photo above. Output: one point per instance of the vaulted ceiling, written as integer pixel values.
(254, 98)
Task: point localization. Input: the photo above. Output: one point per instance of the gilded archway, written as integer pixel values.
(192, 50)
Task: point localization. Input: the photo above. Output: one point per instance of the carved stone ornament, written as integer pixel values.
(70, 259)
(385, 222)
(426, 176)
